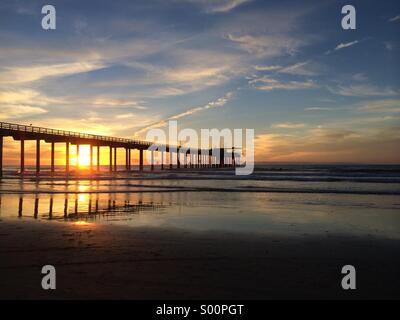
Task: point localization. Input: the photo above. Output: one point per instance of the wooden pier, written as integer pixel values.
(199, 158)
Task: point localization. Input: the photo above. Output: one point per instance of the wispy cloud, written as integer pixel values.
(125, 116)
(395, 18)
(288, 125)
(220, 102)
(219, 6)
(385, 105)
(267, 68)
(114, 102)
(318, 109)
(26, 97)
(363, 90)
(267, 84)
(301, 68)
(189, 71)
(359, 77)
(388, 45)
(345, 45)
(267, 45)
(8, 112)
(38, 72)
(195, 78)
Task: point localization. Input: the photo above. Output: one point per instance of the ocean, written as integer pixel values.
(351, 200)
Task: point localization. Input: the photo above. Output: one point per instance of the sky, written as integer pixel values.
(312, 91)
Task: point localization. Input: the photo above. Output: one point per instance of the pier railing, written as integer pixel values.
(33, 129)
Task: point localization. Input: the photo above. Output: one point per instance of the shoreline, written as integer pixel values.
(101, 261)
(194, 189)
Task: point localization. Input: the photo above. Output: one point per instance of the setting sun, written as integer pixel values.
(84, 156)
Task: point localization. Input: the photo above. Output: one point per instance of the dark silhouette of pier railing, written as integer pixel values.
(198, 158)
(18, 128)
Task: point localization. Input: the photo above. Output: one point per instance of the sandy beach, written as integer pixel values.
(155, 236)
(95, 261)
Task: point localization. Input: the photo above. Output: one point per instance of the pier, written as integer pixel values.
(192, 158)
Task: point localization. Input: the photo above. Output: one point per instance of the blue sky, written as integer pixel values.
(311, 90)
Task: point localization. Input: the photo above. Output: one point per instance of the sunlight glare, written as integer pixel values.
(84, 156)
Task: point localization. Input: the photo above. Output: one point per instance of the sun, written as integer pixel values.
(84, 156)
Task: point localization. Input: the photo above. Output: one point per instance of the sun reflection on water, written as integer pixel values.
(82, 223)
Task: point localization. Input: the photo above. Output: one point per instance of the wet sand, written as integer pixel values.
(100, 261)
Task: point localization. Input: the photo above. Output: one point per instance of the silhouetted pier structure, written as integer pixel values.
(199, 158)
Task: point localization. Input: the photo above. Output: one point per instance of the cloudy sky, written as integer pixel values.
(311, 90)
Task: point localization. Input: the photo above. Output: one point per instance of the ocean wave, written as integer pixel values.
(157, 189)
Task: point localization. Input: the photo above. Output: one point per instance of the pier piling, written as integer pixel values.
(67, 157)
(52, 157)
(141, 160)
(37, 156)
(22, 166)
(115, 159)
(98, 158)
(1, 156)
(91, 158)
(110, 161)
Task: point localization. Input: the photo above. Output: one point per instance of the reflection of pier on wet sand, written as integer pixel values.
(81, 206)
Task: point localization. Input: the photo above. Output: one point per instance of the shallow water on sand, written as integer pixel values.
(290, 201)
